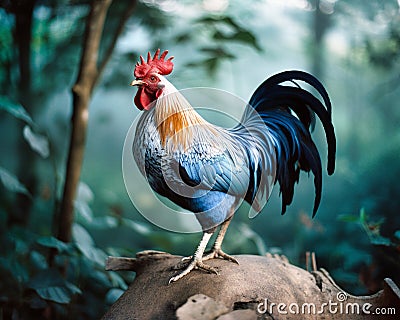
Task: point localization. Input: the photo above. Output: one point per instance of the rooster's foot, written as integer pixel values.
(193, 264)
(218, 253)
(185, 261)
(214, 253)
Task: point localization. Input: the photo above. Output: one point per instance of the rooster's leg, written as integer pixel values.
(216, 251)
(197, 260)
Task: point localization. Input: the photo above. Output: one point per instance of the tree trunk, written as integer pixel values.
(320, 25)
(82, 92)
(89, 73)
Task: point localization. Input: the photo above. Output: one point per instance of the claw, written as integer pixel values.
(218, 253)
(194, 264)
(185, 261)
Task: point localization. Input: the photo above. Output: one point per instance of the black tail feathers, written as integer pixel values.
(289, 113)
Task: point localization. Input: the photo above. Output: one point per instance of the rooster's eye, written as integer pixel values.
(153, 79)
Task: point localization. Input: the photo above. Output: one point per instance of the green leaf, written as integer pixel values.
(85, 194)
(248, 38)
(73, 288)
(84, 212)
(215, 55)
(140, 228)
(229, 21)
(92, 253)
(183, 37)
(348, 218)
(113, 295)
(106, 222)
(38, 260)
(16, 110)
(50, 285)
(37, 142)
(80, 235)
(86, 245)
(363, 216)
(117, 280)
(51, 242)
(207, 20)
(237, 33)
(101, 278)
(380, 241)
(218, 52)
(84, 197)
(242, 36)
(12, 183)
(56, 294)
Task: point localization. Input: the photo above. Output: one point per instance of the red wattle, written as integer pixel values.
(143, 99)
(137, 100)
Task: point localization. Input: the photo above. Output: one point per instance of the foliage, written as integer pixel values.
(31, 262)
(386, 249)
(372, 229)
(39, 285)
(222, 30)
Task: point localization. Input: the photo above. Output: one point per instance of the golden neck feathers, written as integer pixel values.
(178, 123)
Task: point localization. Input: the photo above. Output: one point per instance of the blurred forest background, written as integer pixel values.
(53, 268)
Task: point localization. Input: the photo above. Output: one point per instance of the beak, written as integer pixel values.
(137, 83)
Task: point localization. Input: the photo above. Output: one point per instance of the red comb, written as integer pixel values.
(155, 64)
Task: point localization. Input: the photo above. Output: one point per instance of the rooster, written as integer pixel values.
(209, 170)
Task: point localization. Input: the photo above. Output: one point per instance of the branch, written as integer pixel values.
(135, 264)
(108, 53)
